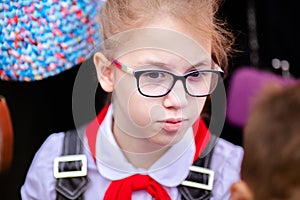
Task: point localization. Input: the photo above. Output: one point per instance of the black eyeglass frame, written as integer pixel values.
(183, 78)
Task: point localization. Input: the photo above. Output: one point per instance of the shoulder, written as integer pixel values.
(226, 152)
(226, 163)
(51, 148)
(39, 180)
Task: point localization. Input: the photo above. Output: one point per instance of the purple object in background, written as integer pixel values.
(244, 86)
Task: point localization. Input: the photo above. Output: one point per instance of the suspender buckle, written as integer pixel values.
(58, 173)
(201, 170)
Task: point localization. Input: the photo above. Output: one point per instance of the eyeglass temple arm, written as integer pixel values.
(123, 67)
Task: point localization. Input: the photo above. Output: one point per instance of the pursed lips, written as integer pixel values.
(172, 124)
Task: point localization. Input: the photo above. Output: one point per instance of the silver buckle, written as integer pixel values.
(202, 170)
(70, 158)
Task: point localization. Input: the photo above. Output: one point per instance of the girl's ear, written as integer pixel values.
(241, 191)
(105, 73)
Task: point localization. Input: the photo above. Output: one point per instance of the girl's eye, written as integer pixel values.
(154, 75)
(195, 74)
(199, 74)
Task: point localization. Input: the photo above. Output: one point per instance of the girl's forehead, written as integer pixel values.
(150, 39)
(159, 57)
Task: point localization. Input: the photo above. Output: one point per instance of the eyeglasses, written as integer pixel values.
(158, 83)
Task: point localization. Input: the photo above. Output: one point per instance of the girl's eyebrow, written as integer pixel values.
(153, 63)
(206, 61)
(200, 66)
(160, 65)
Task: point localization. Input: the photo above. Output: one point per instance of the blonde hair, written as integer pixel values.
(120, 15)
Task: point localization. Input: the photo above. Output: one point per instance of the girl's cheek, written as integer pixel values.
(195, 107)
(138, 110)
(144, 111)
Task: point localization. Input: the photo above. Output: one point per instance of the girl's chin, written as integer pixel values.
(166, 139)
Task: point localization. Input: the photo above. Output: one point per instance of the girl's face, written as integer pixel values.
(160, 121)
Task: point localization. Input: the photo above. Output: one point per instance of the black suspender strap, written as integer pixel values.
(199, 182)
(70, 169)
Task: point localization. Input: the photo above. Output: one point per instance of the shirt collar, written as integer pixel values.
(170, 170)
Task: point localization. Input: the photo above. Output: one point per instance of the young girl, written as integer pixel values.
(156, 61)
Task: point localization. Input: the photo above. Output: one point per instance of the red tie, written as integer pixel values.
(122, 189)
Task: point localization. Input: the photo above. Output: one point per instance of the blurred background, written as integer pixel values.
(265, 30)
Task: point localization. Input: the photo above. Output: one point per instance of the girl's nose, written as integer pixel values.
(177, 97)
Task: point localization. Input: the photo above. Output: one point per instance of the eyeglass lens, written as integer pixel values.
(158, 83)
